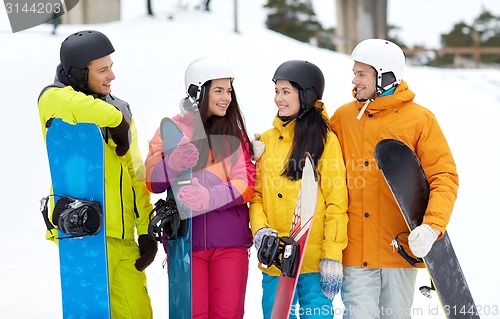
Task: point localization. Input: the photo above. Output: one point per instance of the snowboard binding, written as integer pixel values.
(166, 224)
(426, 290)
(283, 252)
(396, 245)
(73, 216)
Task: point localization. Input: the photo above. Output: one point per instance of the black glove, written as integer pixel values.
(147, 249)
(119, 135)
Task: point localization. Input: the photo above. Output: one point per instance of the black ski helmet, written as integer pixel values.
(78, 50)
(308, 77)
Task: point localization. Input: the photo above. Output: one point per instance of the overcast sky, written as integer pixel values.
(420, 22)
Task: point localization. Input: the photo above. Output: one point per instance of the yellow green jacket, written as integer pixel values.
(127, 199)
(275, 197)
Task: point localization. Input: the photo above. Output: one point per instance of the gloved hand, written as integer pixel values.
(259, 235)
(258, 147)
(119, 134)
(184, 156)
(147, 249)
(421, 239)
(331, 272)
(194, 196)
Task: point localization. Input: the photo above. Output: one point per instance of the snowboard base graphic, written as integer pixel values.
(76, 160)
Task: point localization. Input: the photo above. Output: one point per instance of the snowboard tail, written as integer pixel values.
(403, 173)
(301, 225)
(76, 160)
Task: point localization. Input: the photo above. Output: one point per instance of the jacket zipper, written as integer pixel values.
(136, 211)
(121, 201)
(204, 220)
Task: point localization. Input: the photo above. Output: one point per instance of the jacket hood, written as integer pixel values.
(59, 80)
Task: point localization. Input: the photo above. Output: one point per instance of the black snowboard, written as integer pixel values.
(406, 178)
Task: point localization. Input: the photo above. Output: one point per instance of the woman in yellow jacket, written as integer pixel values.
(81, 94)
(302, 125)
(379, 283)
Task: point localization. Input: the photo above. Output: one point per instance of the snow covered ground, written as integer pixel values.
(150, 59)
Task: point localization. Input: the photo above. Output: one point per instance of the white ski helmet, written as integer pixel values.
(202, 70)
(385, 57)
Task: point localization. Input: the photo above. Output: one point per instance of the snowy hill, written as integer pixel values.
(150, 59)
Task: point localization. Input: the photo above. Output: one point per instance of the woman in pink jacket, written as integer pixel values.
(217, 148)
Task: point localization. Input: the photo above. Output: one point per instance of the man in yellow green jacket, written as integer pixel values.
(379, 283)
(81, 93)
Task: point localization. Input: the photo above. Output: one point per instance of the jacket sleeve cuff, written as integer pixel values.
(159, 178)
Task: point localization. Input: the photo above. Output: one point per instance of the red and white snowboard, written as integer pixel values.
(301, 224)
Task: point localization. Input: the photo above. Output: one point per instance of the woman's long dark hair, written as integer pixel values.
(219, 129)
(309, 136)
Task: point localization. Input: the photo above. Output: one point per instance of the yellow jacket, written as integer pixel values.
(275, 196)
(374, 217)
(127, 199)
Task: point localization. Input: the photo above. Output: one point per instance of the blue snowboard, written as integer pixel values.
(179, 250)
(76, 160)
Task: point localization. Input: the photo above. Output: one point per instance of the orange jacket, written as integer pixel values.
(374, 217)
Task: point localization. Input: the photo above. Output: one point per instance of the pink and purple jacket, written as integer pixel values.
(230, 183)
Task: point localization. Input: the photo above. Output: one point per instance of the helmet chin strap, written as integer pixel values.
(78, 78)
(304, 106)
(303, 109)
(372, 98)
(188, 105)
(363, 109)
(367, 101)
(377, 93)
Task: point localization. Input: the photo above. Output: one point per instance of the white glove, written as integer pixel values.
(259, 235)
(421, 239)
(258, 147)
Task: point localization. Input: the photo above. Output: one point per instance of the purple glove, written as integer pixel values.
(194, 196)
(184, 156)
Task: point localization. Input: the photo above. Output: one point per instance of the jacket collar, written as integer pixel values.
(401, 96)
(285, 129)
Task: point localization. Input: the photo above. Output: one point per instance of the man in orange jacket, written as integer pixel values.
(379, 283)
